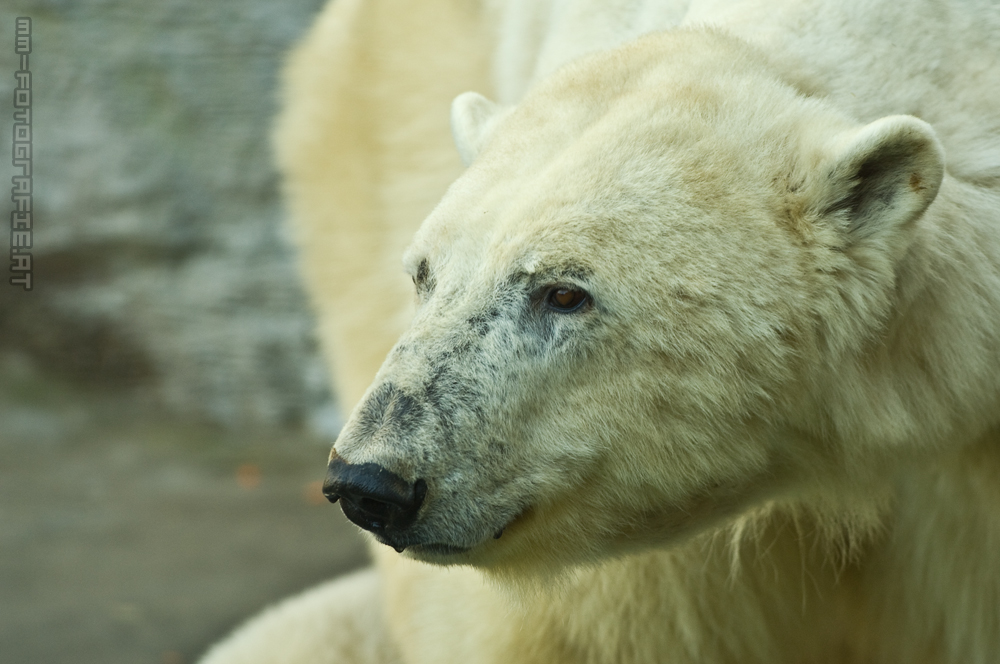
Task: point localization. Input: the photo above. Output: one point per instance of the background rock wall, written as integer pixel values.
(160, 389)
(161, 266)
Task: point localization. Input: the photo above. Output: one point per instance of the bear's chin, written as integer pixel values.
(526, 545)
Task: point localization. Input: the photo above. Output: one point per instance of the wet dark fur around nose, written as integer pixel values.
(373, 497)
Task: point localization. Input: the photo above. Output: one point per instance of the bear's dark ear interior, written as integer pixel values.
(882, 176)
(472, 119)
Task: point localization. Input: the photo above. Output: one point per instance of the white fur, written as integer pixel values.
(774, 437)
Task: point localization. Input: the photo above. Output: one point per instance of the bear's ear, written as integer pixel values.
(472, 119)
(881, 176)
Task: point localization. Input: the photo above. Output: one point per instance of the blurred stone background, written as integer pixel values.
(161, 261)
(164, 415)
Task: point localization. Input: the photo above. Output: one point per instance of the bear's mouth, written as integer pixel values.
(429, 548)
(417, 545)
(400, 542)
(439, 549)
(420, 548)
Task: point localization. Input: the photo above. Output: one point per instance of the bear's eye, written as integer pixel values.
(565, 300)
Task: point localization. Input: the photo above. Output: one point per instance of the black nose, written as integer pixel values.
(372, 497)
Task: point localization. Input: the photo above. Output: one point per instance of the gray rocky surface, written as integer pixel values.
(161, 263)
(164, 415)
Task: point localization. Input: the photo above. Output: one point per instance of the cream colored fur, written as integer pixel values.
(775, 434)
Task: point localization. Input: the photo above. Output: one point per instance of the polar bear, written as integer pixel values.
(697, 357)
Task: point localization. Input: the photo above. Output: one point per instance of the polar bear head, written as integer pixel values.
(626, 307)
